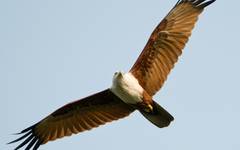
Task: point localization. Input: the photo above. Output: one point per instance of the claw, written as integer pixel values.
(149, 108)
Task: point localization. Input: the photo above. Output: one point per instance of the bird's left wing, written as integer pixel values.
(75, 117)
(166, 43)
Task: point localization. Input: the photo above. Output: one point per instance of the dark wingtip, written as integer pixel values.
(196, 3)
(16, 133)
(22, 137)
(205, 4)
(29, 137)
(27, 129)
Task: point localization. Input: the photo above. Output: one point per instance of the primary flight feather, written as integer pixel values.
(130, 91)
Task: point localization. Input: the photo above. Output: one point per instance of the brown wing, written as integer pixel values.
(166, 43)
(75, 117)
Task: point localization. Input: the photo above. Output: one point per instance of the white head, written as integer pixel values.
(117, 75)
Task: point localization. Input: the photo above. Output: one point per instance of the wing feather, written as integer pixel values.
(166, 43)
(75, 117)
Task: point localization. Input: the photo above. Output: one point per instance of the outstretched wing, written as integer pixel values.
(166, 43)
(75, 117)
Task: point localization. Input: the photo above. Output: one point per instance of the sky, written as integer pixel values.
(54, 52)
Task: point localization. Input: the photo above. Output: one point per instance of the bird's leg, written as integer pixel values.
(147, 107)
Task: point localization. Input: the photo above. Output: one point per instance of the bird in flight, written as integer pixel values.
(130, 91)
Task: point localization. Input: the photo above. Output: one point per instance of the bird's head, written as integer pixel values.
(117, 78)
(118, 75)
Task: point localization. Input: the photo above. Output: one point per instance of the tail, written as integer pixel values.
(159, 116)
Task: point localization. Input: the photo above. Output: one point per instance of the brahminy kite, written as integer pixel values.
(129, 91)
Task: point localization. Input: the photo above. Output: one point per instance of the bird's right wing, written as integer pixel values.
(75, 117)
(166, 43)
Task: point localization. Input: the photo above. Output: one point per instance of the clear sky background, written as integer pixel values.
(53, 52)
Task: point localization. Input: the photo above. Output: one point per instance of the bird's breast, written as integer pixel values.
(127, 89)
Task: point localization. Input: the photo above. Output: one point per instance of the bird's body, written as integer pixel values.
(127, 88)
(130, 91)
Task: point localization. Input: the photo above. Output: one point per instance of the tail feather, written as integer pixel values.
(159, 116)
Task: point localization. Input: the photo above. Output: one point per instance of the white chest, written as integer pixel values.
(127, 88)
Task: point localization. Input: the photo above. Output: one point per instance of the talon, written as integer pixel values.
(150, 107)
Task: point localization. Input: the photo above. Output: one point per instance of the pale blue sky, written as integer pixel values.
(53, 52)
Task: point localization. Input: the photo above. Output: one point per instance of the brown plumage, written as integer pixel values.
(166, 43)
(158, 57)
(78, 116)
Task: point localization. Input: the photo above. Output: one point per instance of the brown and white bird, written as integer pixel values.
(129, 91)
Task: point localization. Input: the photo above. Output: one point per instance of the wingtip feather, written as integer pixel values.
(197, 3)
(203, 5)
(29, 137)
(22, 137)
